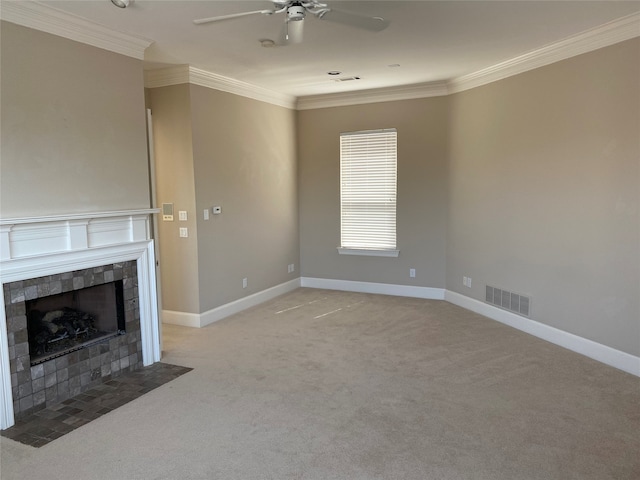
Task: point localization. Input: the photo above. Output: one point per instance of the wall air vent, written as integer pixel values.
(513, 302)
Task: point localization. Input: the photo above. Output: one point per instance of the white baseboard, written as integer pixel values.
(181, 318)
(602, 353)
(369, 287)
(247, 302)
(203, 319)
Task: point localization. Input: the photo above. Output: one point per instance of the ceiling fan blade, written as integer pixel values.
(200, 21)
(375, 24)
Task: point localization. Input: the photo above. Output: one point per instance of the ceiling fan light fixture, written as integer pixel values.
(121, 3)
(267, 43)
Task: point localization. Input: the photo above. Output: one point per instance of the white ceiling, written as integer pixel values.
(431, 41)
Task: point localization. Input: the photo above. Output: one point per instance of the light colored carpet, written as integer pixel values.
(331, 385)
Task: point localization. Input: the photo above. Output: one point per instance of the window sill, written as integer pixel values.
(368, 252)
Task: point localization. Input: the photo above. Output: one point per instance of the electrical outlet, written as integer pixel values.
(464, 281)
(184, 232)
(412, 272)
(244, 283)
(469, 282)
(291, 268)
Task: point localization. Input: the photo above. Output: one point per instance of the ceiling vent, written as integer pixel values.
(346, 79)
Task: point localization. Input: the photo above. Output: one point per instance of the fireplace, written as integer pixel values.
(89, 280)
(62, 323)
(65, 343)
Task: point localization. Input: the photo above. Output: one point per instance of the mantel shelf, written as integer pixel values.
(77, 216)
(36, 236)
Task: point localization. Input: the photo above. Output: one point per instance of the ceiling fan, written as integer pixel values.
(296, 11)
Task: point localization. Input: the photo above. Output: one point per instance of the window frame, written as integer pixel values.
(381, 141)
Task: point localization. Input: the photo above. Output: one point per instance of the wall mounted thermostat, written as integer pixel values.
(167, 212)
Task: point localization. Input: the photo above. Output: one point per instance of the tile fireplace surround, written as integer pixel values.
(51, 248)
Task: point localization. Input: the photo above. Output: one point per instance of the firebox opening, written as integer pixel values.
(62, 323)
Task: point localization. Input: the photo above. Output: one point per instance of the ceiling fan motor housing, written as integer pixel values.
(295, 13)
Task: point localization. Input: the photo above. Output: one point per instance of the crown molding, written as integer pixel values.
(230, 85)
(42, 17)
(164, 77)
(180, 74)
(359, 97)
(624, 28)
(185, 74)
(50, 20)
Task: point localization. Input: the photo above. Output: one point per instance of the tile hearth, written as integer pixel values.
(46, 425)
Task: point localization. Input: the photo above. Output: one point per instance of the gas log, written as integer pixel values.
(58, 329)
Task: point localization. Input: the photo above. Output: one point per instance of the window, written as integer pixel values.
(368, 192)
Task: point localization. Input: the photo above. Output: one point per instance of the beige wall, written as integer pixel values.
(215, 148)
(422, 191)
(245, 161)
(171, 117)
(544, 193)
(73, 127)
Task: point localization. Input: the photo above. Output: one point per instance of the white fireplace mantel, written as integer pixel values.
(38, 246)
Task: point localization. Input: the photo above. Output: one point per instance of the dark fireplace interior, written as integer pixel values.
(62, 323)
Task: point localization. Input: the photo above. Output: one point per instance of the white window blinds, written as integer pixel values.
(368, 189)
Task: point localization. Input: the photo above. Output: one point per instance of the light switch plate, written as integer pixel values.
(182, 215)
